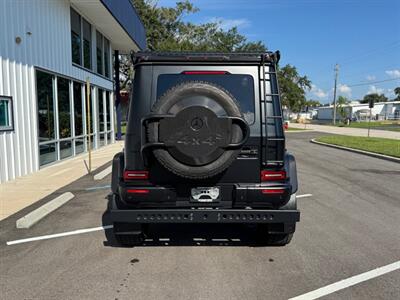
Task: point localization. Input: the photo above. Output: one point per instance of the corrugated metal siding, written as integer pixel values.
(49, 44)
(18, 148)
(44, 29)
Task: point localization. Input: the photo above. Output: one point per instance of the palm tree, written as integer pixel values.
(341, 103)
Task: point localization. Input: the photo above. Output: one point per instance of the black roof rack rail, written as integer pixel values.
(259, 57)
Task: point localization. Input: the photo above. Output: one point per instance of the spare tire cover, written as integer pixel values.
(195, 134)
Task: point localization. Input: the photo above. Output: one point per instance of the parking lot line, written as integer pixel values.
(345, 283)
(304, 196)
(52, 236)
(94, 188)
(103, 173)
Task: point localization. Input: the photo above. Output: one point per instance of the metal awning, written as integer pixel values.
(117, 20)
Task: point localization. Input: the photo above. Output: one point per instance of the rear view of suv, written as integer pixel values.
(204, 144)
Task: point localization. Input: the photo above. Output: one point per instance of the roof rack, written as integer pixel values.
(259, 57)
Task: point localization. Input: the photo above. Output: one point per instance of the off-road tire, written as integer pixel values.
(128, 235)
(223, 98)
(278, 239)
(130, 240)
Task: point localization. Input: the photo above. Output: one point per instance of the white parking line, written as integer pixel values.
(345, 283)
(303, 196)
(103, 173)
(52, 236)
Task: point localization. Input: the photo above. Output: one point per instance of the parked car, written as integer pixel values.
(204, 144)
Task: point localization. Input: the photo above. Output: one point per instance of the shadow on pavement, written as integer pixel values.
(192, 235)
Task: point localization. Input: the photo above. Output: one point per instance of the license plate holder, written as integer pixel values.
(205, 194)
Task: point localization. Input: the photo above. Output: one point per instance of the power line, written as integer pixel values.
(368, 53)
(373, 82)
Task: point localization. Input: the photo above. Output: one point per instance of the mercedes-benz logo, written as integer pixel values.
(196, 124)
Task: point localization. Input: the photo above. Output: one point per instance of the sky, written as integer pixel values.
(362, 36)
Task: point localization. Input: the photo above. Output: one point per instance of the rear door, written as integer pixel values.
(243, 83)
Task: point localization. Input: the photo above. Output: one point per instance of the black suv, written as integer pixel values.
(204, 144)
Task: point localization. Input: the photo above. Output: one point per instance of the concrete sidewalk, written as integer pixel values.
(24, 191)
(349, 131)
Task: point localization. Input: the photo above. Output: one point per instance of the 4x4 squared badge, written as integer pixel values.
(195, 127)
(195, 141)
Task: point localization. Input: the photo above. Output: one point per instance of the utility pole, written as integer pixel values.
(334, 93)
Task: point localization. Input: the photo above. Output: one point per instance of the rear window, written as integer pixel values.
(240, 86)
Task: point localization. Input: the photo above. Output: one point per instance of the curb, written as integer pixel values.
(35, 216)
(376, 155)
(300, 130)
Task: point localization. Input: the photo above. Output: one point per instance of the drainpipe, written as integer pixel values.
(117, 94)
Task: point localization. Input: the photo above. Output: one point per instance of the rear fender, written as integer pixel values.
(117, 169)
(291, 171)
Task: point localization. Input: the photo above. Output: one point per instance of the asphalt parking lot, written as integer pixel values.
(350, 225)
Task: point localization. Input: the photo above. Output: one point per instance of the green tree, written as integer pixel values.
(166, 30)
(341, 106)
(397, 93)
(375, 97)
(292, 87)
(313, 103)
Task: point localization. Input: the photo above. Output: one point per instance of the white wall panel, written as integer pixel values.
(44, 29)
(18, 148)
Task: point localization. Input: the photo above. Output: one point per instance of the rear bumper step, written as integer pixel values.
(204, 216)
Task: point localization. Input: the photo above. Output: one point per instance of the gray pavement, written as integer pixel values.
(349, 226)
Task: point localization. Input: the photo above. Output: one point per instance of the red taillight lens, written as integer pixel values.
(272, 175)
(273, 191)
(136, 175)
(137, 191)
(204, 72)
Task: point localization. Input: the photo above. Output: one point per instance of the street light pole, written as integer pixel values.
(334, 93)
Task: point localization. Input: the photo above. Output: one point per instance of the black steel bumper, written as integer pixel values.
(204, 216)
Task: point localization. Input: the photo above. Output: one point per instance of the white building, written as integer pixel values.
(381, 111)
(48, 49)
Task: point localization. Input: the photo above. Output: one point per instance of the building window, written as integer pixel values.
(106, 58)
(62, 131)
(108, 111)
(90, 112)
(82, 43)
(6, 114)
(87, 44)
(101, 116)
(44, 87)
(76, 37)
(78, 108)
(99, 52)
(64, 108)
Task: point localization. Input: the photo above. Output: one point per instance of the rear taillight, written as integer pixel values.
(135, 175)
(267, 175)
(273, 191)
(137, 191)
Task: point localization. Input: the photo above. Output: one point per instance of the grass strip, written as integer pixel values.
(384, 146)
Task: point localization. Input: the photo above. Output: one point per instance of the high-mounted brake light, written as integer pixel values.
(136, 175)
(272, 175)
(205, 72)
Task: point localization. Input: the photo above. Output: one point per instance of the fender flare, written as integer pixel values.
(291, 171)
(117, 169)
